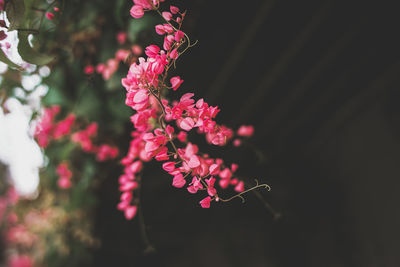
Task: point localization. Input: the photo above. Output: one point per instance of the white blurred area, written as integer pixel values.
(18, 149)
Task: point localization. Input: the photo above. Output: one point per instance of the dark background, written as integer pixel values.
(319, 80)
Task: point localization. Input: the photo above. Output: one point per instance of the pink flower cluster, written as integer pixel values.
(137, 10)
(65, 175)
(50, 15)
(108, 68)
(161, 125)
(47, 130)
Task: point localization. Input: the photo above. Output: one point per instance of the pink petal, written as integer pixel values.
(137, 11)
(167, 15)
(205, 203)
(178, 181)
(194, 162)
(239, 187)
(130, 212)
(187, 124)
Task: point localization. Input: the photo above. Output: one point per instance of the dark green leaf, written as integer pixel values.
(15, 10)
(29, 54)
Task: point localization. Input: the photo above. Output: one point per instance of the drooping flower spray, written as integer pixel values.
(161, 126)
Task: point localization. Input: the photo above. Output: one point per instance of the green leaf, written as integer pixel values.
(138, 25)
(119, 9)
(29, 54)
(4, 58)
(15, 10)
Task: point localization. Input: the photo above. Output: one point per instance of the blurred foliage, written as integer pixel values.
(81, 33)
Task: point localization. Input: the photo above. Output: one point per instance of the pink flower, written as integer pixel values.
(194, 162)
(130, 212)
(146, 4)
(176, 82)
(239, 187)
(182, 136)
(137, 11)
(234, 167)
(160, 29)
(214, 169)
(49, 16)
(63, 127)
(245, 130)
(100, 68)
(174, 54)
(179, 36)
(178, 181)
(169, 166)
(187, 124)
(174, 9)
(128, 186)
(105, 152)
(195, 185)
(225, 174)
(152, 51)
(211, 190)
(237, 142)
(89, 69)
(121, 55)
(56, 9)
(137, 100)
(167, 15)
(205, 203)
(224, 183)
(137, 50)
(121, 37)
(64, 182)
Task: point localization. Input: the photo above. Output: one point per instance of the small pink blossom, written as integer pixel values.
(182, 136)
(178, 181)
(64, 183)
(152, 51)
(211, 190)
(137, 11)
(245, 130)
(179, 36)
(167, 15)
(130, 212)
(49, 15)
(100, 68)
(63, 127)
(174, 54)
(169, 166)
(195, 185)
(237, 142)
(137, 50)
(121, 37)
(176, 82)
(89, 69)
(174, 9)
(187, 124)
(159, 29)
(239, 187)
(205, 203)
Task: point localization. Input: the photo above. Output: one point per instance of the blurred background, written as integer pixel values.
(319, 80)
